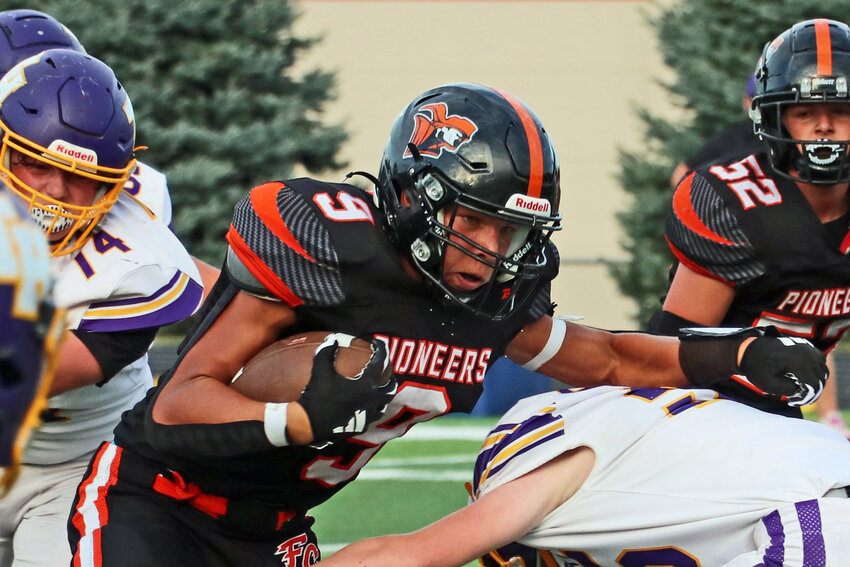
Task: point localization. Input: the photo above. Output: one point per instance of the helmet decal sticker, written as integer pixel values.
(436, 130)
(13, 81)
(73, 151)
(530, 205)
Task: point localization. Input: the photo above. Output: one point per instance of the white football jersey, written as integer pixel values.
(149, 188)
(133, 273)
(680, 478)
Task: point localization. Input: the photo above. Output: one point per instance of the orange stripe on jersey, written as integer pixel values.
(260, 270)
(535, 147)
(683, 207)
(824, 47)
(685, 261)
(264, 203)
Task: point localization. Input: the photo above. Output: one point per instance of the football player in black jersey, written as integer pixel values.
(445, 267)
(763, 240)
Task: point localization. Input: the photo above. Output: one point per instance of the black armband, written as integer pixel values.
(115, 350)
(669, 324)
(710, 355)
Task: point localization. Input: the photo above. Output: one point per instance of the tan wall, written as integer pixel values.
(581, 65)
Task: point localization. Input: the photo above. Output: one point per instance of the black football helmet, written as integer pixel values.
(807, 64)
(477, 147)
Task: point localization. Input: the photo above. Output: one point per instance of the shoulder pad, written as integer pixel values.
(134, 273)
(149, 188)
(243, 278)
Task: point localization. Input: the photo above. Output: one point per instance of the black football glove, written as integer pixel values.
(339, 407)
(788, 369)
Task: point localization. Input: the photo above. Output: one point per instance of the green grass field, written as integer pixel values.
(411, 482)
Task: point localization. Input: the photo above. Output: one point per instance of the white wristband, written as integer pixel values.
(552, 346)
(274, 424)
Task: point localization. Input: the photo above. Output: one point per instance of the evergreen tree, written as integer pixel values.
(214, 100)
(712, 46)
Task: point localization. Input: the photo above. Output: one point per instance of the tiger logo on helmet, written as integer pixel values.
(436, 130)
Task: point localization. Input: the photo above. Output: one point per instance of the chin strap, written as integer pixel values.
(369, 176)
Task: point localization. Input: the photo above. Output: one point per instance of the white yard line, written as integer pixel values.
(416, 461)
(463, 432)
(417, 475)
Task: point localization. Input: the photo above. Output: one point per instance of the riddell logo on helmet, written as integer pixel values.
(526, 204)
(820, 83)
(435, 130)
(75, 152)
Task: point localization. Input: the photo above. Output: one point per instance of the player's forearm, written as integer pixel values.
(76, 367)
(210, 418)
(645, 360)
(204, 400)
(385, 551)
(592, 357)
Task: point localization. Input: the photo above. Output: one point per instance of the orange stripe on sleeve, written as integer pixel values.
(260, 270)
(264, 203)
(535, 147)
(824, 45)
(680, 256)
(683, 207)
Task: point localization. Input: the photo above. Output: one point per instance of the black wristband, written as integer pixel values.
(708, 362)
(708, 356)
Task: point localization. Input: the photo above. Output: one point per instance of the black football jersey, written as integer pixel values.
(758, 233)
(322, 249)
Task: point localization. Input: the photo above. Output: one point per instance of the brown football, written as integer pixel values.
(279, 372)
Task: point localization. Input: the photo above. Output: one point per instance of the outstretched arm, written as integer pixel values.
(592, 357)
(497, 518)
(789, 370)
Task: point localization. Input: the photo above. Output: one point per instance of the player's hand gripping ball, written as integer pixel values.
(342, 382)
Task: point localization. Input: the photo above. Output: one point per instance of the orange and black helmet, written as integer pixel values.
(808, 63)
(481, 148)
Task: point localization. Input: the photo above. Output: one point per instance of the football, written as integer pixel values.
(279, 372)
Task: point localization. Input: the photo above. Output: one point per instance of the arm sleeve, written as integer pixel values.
(113, 351)
(668, 324)
(706, 236)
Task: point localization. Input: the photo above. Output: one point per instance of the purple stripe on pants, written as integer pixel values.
(774, 556)
(814, 550)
